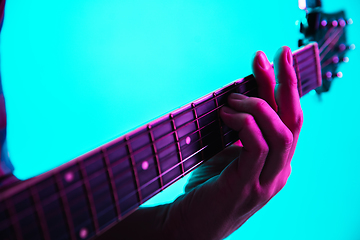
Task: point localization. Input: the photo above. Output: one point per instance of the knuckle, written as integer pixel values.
(259, 104)
(286, 139)
(249, 120)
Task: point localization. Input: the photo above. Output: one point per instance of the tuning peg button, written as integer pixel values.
(334, 23)
(323, 23)
(335, 59)
(349, 21)
(352, 47)
(345, 59)
(339, 74)
(342, 22)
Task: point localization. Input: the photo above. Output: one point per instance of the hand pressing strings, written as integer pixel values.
(228, 189)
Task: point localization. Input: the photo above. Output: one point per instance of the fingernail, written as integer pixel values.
(289, 57)
(263, 61)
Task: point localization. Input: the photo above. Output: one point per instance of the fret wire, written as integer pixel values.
(40, 213)
(66, 207)
(156, 156)
(177, 142)
(89, 195)
(231, 89)
(198, 128)
(14, 219)
(297, 71)
(134, 169)
(112, 183)
(219, 120)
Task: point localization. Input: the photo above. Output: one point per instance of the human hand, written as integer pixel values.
(228, 189)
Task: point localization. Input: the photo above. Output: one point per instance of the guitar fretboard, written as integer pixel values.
(85, 196)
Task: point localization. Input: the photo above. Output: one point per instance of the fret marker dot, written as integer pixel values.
(69, 177)
(83, 233)
(188, 140)
(145, 165)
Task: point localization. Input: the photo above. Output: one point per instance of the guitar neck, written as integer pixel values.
(87, 195)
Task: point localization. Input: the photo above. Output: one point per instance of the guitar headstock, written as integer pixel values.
(329, 31)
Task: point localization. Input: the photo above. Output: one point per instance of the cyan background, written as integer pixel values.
(79, 73)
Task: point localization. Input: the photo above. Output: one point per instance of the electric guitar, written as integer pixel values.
(86, 196)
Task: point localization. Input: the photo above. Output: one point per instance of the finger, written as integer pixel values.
(212, 167)
(265, 78)
(255, 148)
(287, 95)
(278, 137)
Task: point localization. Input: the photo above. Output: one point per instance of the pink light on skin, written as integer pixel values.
(302, 4)
(145, 165)
(69, 177)
(83, 233)
(188, 140)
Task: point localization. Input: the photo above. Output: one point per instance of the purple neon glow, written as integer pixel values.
(342, 22)
(328, 75)
(302, 4)
(335, 59)
(342, 47)
(323, 23)
(334, 23)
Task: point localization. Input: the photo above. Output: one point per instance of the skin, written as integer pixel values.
(227, 190)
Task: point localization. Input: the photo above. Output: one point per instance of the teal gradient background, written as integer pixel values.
(77, 74)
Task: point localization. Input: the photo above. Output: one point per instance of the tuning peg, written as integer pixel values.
(339, 74)
(342, 22)
(323, 23)
(334, 23)
(349, 21)
(328, 75)
(345, 59)
(335, 59)
(352, 47)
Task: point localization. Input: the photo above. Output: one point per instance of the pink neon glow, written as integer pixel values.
(323, 23)
(69, 176)
(342, 47)
(342, 22)
(145, 165)
(335, 59)
(302, 4)
(334, 23)
(188, 140)
(328, 74)
(83, 233)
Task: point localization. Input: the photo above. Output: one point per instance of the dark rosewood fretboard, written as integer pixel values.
(87, 195)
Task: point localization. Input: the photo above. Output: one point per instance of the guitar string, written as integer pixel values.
(331, 47)
(329, 41)
(182, 138)
(199, 105)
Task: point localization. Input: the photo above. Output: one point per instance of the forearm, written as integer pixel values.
(144, 223)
